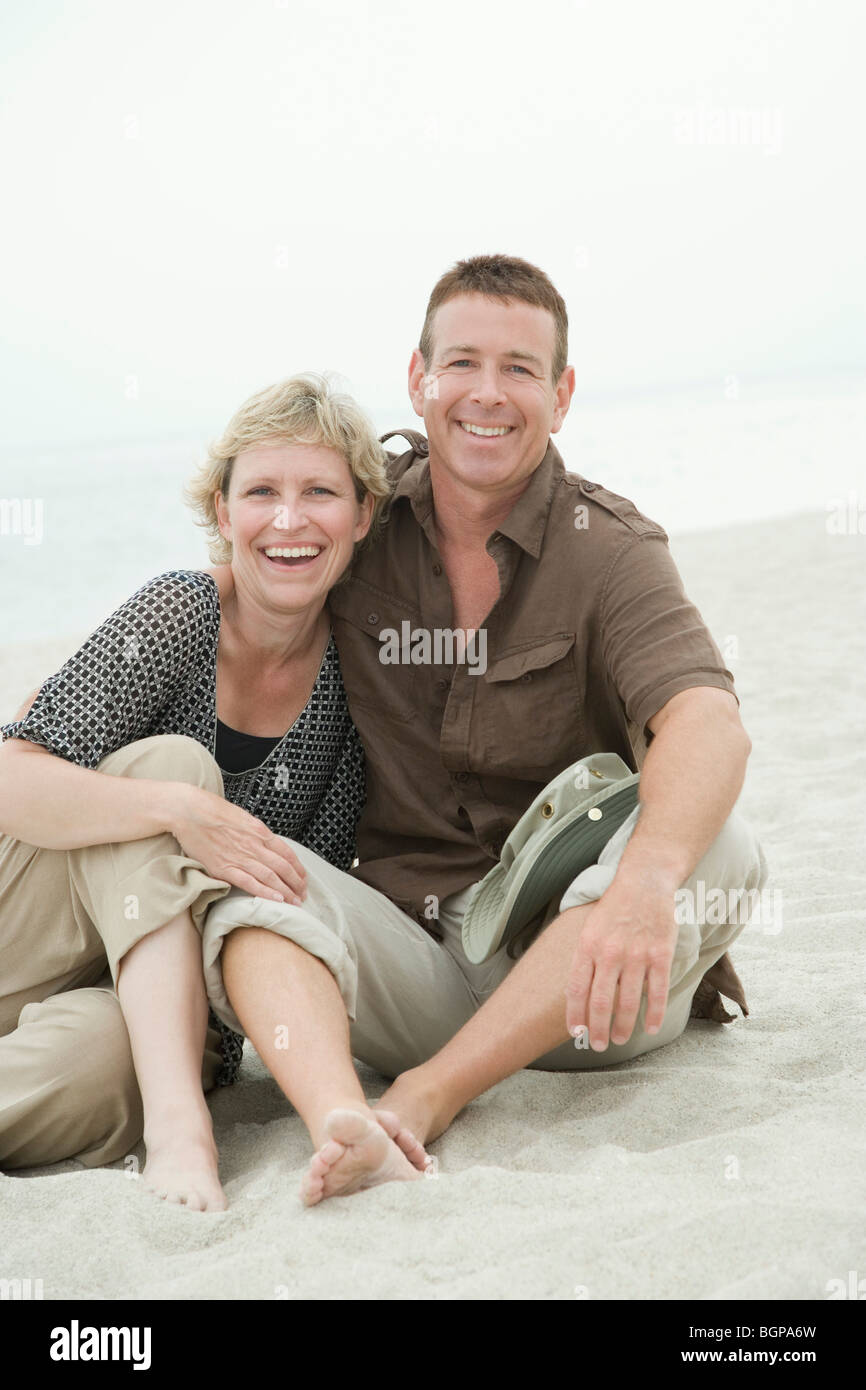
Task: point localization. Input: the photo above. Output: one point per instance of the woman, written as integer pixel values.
(201, 723)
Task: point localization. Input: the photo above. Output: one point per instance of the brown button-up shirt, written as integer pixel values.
(591, 635)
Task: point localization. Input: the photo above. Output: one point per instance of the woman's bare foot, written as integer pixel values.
(358, 1152)
(417, 1106)
(182, 1166)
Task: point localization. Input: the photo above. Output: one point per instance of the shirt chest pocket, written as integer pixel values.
(374, 639)
(531, 720)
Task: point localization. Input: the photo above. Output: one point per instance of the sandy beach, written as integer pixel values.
(730, 1164)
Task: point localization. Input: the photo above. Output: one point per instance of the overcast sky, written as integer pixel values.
(201, 198)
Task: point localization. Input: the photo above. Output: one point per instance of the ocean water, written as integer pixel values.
(81, 528)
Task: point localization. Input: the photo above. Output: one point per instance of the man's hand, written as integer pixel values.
(626, 946)
(234, 846)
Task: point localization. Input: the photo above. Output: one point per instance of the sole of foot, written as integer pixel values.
(359, 1152)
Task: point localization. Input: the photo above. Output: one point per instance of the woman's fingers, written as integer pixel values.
(276, 870)
(297, 873)
(240, 849)
(248, 883)
(277, 852)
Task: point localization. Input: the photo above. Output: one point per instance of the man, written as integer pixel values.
(589, 645)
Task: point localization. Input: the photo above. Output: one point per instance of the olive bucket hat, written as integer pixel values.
(562, 833)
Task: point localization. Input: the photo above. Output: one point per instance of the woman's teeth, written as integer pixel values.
(292, 552)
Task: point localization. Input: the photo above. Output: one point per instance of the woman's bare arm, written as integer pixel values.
(55, 804)
(20, 713)
(50, 802)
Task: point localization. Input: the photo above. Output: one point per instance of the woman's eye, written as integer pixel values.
(254, 490)
(326, 490)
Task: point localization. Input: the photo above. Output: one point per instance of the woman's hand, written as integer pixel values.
(234, 846)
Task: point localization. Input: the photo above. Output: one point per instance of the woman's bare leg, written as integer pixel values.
(291, 1008)
(160, 985)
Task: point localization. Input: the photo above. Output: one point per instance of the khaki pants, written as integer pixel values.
(406, 994)
(67, 1082)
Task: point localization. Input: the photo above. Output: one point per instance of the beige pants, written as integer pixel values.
(406, 994)
(67, 1082)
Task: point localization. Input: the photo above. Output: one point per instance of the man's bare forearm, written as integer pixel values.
(54, 804)
(691, 778)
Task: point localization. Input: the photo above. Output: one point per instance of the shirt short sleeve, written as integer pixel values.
(108, 693)
(655, 643)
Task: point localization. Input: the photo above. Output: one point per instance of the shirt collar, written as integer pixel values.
(525, 523)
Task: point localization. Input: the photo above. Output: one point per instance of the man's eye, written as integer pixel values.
(516, 367)
(462, 362)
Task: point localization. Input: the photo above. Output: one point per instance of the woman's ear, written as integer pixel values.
(223, 520)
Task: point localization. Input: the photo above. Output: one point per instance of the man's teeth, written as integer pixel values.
(291, 552)
(480, 429)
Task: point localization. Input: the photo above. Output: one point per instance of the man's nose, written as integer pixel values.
(488, 388)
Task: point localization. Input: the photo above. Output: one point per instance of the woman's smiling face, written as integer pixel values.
(293, 517)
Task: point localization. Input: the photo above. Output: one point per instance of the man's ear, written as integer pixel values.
(417, 382)
(562, 398)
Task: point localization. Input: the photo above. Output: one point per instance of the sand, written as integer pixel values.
(730, 1164)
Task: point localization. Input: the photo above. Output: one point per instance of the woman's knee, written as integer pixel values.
(69, 1083)
(166, 757)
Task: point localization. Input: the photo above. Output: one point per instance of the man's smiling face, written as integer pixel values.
(487, 398)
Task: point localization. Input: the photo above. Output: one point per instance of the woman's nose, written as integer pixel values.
(291, 514)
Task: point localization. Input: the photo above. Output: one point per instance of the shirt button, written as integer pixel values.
(590, 487)
(527, 676)
(372, 617)
(437, 569)
(461, 777)
(441, 685)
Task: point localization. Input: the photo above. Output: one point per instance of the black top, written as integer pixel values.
(237, 752)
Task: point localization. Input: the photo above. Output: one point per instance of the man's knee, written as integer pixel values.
(166, 757)
(734, 861)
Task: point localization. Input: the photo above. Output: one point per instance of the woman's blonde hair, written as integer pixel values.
(304, 409)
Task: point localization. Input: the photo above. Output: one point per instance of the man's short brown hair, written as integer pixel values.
(506, 278)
